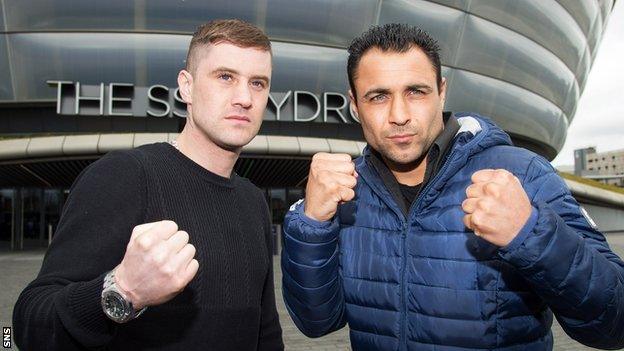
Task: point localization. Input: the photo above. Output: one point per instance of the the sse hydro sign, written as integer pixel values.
(125, 99)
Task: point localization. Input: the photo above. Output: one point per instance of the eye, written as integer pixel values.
(378, 98)
(416, 92)
(225, 76)
(258, 84)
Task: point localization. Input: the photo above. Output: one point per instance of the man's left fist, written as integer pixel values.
(496, 207)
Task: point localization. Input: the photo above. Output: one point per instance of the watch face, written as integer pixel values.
(114, 306)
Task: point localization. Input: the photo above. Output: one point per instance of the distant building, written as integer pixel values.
(607, 167)
(566, 168)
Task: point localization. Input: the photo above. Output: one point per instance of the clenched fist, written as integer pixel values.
(497, 206)
(331, 181)
(158, 264)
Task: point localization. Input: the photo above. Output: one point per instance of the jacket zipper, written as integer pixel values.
(403, 285)
(406, 222)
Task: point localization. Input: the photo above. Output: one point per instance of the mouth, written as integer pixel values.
(401, 138)
(238, 118)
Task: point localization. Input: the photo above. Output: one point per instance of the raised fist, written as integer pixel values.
(497, 207)
(331, 181)
(158, 264)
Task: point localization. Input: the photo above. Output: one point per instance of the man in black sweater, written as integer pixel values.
(163, 246)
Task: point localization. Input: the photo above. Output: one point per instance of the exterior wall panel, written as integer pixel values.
(538, 53)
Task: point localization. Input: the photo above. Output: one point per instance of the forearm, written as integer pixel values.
(583, 287)
(311, 281)
(52, 315)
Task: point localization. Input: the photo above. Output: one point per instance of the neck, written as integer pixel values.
(409, 174)
(196, 146)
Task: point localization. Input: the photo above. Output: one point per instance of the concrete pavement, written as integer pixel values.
(19, 268)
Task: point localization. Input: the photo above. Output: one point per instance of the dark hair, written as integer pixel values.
(237, 32)
(395, 37)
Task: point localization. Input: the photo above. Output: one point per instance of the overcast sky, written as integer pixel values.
(599, 119)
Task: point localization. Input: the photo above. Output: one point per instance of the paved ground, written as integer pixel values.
(20, 268)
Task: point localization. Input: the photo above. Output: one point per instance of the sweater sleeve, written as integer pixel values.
(311, 283)
(61, 309)
(569, 263)
(270, 338)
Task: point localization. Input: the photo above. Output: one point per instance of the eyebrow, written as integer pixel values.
(419, 86)
(382, 90)
(376, 91)
(233, 71)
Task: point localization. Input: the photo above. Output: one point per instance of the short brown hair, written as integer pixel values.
(237, 32)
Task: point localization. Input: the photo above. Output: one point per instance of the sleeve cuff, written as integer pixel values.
(306, 229)
(80, 309)
(526, 230)
(300, 208)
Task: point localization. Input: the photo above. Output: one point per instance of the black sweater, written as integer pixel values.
(229, 305)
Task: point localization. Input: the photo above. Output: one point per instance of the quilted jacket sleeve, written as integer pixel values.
(311, 282)
(568, 262)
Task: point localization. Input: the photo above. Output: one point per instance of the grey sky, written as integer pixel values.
(599, 119)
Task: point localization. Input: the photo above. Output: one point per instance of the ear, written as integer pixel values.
(185, 83)
(353, 106)
(442, 93)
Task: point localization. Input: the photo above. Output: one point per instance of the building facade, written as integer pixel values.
(79, 79)
(606, 167)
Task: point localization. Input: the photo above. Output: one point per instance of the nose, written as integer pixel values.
(398, 112)
(242, 95)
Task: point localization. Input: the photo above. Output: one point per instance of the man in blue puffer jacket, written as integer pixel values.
(442, 236)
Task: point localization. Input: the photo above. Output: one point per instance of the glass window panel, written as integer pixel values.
(277, 205)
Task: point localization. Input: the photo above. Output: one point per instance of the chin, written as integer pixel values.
(235, 143)
(402, 158)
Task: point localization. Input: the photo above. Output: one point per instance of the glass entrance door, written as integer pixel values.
(7, 241)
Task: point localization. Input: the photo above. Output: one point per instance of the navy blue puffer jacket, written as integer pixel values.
(426, 282)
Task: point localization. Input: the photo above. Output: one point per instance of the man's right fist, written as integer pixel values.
(158, 264)
(331, 181)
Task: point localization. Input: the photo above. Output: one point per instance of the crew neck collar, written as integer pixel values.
(196, 169)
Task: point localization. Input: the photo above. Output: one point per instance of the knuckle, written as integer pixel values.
(170, 225)
(158, 258)
(144, 242)
(331, 185)
(487, 207)
(477, 219)
(191, 249)
(349, 193)
(350, 166)
(353, 182)
(167, 270)
(482, 205)
(179, 282)
(184, 236)
(135, 230)
(465, 204)
(502, 173)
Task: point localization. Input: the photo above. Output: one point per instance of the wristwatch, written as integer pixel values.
(115, 305)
